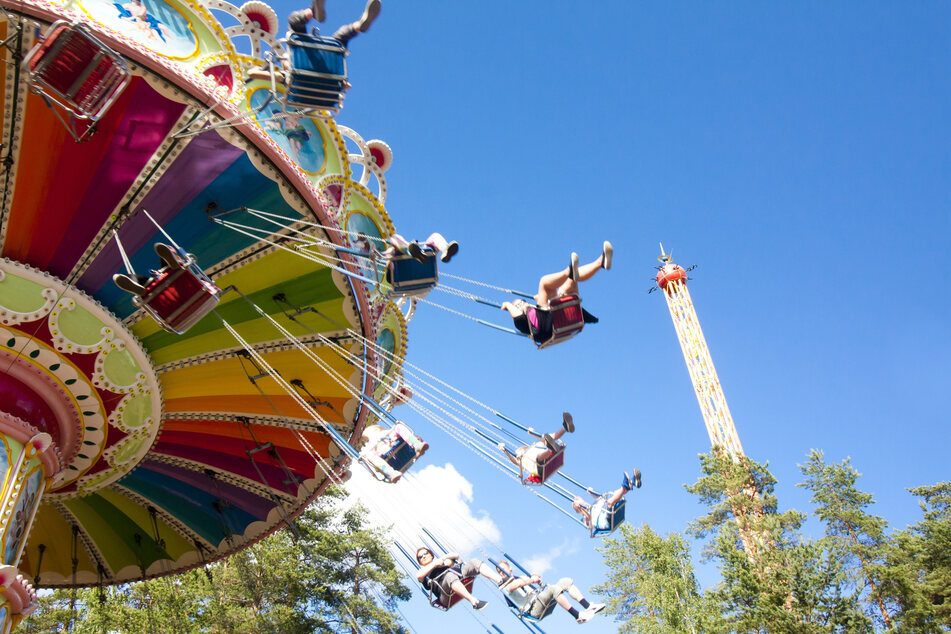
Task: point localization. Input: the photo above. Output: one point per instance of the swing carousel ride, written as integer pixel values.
(130, 450)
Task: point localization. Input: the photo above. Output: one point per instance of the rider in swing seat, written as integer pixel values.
(536, 321)
(530, 458)
(138, 284)
(537, 603)
(444, 576)
(599, 516)
(297, 21)
(381, 441)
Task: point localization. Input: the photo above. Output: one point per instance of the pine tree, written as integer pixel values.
(651, 587)
(919, 565)
(789, 584)
(859, 537)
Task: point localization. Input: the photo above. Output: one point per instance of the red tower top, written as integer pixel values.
(670, 272)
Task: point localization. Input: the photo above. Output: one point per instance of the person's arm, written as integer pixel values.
(519, 582)
(452, 557)
(425, 570)
(508, 454)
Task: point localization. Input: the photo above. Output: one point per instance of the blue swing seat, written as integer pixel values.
(317, 77)
(615, 518)
(411, 278)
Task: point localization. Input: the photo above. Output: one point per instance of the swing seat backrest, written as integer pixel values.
(76, 71)
(545, 469)
(178, 298)
(409, 277)
(615, 517)
(401, 456)
(317, 77)
(567, 320)
(454, 598)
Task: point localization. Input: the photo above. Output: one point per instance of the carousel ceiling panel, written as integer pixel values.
(66, 190)
(55, 533)
(194, 507)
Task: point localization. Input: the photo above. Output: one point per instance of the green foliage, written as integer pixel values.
(336, 577)
(858, 538)
(918, 565)
(651, 587)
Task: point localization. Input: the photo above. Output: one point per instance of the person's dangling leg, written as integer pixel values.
(414, 441)
(349, 31)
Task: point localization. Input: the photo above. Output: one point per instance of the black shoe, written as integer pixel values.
(551, 442)
(128, 284)
(167, 255)
(567, 422)
(478, 605)
(414, 250)
(451, 250)
(297, 21)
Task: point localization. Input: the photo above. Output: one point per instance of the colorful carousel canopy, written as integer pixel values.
(177, 449)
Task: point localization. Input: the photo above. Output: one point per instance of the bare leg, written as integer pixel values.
(575, 593)
(489, 573)
(558, 434)
(404, 432)
(552, 285)
(616, 496)
(458, 588)
(563, 602)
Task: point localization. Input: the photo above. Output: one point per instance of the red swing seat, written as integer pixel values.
(567, 320)
(544, 470)
(178, 298)
(72, 68)
(454, 598)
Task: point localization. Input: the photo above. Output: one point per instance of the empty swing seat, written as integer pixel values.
(317, 77)
(178, 298)
(75, 70)
(567, 320)
(409, 277)
(614, 518)
(544, 470)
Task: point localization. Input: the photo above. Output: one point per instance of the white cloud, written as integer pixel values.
(437, 498)
(542, 562)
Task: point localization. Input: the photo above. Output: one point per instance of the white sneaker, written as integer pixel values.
(597, 607)
(607, 253)
(586, 616)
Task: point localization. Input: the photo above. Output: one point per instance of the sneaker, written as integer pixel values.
(297, 21)
(586, 616)
(632, 483)
(128, 284)
(478, 605)
(597, 607)
(607, 252)
(573, 269)
(167, 255)
(451, 250)
(551, 442)
(567, 422)
(417, 252)
(422, 450)
(317, 9)
(370, 14)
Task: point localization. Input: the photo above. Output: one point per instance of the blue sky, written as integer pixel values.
(797, 152)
